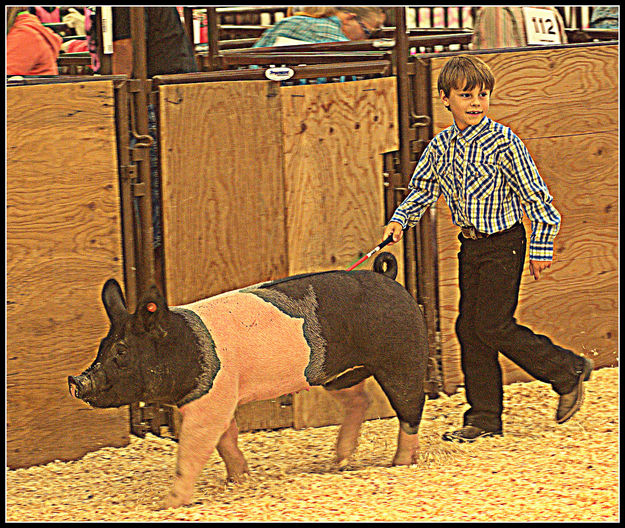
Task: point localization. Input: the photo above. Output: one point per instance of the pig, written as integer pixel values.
(332, 329)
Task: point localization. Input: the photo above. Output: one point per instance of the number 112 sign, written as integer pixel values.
(541, 26)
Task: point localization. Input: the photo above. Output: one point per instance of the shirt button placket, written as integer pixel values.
(462, 155)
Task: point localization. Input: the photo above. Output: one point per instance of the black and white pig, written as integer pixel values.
(333, 329)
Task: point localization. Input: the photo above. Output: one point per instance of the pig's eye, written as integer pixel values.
(121, 356)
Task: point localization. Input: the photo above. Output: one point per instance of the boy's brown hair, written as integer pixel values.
(468, 69)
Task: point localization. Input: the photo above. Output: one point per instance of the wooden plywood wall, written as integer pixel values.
(63, 242)
(563, 104)
(222, 187)
(334, 138)
(261, 182)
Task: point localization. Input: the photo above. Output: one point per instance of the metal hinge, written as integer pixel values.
(417, 147)
(392, 179)
(139, 189)
(147, 418)
(129, 173)
(139, 424)
(136, 85)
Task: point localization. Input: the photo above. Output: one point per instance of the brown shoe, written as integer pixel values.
(469, 433)
(570, 402)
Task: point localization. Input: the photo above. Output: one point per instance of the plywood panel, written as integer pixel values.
(272, 197)
(334, 138)
(576, 301)
(222, 187)
(223, 199)
(547, 92)
(563, 103)
(318, 408)
(265, 414)
(63, 242)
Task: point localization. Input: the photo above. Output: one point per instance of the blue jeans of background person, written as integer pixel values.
(155, 182)
(490, 272)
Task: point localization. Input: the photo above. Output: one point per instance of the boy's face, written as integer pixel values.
(467, 106)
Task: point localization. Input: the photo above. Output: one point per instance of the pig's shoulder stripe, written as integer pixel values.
(209, 361)
(305, 308)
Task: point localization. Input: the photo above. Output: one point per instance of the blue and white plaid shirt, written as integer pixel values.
(304, 28)
(488, 179)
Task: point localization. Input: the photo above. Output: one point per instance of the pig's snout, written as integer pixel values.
(80, 386)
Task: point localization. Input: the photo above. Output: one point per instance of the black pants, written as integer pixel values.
(490, 275)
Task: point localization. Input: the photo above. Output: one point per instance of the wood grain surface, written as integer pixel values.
(542, 93)
(334, 138)
(222, 187)
(261, 182)
(63, 243)
(318, 408)
(564, 105)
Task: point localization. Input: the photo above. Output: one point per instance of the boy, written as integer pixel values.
(488, 179)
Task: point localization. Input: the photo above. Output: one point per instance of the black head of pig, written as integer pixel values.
(148, 356)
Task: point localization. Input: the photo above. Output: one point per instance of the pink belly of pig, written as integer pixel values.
(257, 344)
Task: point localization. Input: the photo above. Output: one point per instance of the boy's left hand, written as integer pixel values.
(536, 266)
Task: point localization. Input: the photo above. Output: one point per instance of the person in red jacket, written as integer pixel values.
(47, 14)
(32, 49)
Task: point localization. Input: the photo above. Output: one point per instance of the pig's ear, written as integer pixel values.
(113, 300)
(151, 311)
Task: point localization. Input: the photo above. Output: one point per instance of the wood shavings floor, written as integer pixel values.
(538, 472)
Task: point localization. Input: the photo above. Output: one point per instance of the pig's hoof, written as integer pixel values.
(173, 501)
(342, 464)
(238, 478)
(406, 460)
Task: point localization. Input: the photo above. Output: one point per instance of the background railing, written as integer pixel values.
(239, 27)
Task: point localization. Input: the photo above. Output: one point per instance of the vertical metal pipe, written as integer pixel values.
(137, 31)
(403, 90)
(189, 26)
(188, 23)
(139, 72)
(422, 98)
(146, 276)
(128, 225)
(213, 38)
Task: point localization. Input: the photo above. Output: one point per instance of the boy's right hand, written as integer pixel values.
(395, 229)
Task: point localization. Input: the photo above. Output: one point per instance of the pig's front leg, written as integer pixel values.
(236, 466)
(204, 421)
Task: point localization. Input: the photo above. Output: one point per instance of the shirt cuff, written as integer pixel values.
(541, 249)
(400, 218)
(542, 252)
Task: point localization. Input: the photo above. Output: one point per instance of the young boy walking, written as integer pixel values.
(488, 178)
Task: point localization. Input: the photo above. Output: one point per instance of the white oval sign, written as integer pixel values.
(383, 43)
(279, 74)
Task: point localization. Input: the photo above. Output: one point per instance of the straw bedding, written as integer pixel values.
(539, 471)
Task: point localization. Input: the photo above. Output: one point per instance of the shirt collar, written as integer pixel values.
(471, 132)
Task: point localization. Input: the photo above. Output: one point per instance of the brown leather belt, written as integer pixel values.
(472, 233)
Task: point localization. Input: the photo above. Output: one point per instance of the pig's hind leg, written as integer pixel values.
(355, 402)
(228, 449)
(406, 395)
